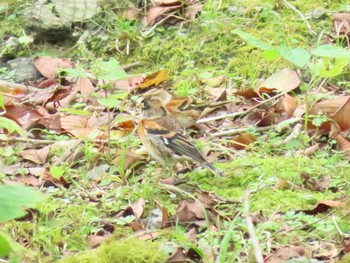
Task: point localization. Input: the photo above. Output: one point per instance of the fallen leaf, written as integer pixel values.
(95, 241)
(284, 80)
(337, 109)
(72, 122)
(241, 141)
(287, 104)
(155, 78)
(284, 254)
(323, 206)
(247, 93)
(84, 86)
(36, 155)
(28, 180)
(192, 11)
(156, 11)
(131, 13)
(128, 84)
(25, 116)
(282, 183)
(138, 207)
(58, 95)
(341, 23)
(189, 210)
(343, 144)
(48, 66)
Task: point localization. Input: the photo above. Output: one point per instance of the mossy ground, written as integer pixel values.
(207, 44)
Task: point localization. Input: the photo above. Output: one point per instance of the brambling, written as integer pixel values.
(186, 110)
(164, 137)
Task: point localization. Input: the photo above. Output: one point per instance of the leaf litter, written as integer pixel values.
(269, 104)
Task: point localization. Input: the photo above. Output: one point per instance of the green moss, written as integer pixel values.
(128, 250)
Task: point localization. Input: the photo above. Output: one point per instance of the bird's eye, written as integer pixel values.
(145, 104)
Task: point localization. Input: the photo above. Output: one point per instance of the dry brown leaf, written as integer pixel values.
(84, 86)
(138, 207)
(128, 84)
(36, 155)
(192, 11)
(282, 183)
(95, 241)
(59, 95)
(156, 11)
(343, 144)
(284, 80)
(341, 23)
(131, 13)
(287, 104)
(189, 210)
(47, 83)
(241, 141)
(24, 115)
(129, 158)
(337, 109)
(323, 206)
(285, 253)
(155, 78)
(247, 93)
(28, 180)
(72, 122)
(52, 123)
(48, 66)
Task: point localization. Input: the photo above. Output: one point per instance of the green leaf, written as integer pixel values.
(113, 100)
(5, 247)
(2, 102)
(15, 198)
(252, 40)
(110, 70)
(270, 54)
(297, 56)
(75, 111)
(205, 75)
(330, 51)
(109, 102)
(57, 171)
(11, 126)
(329, 67)
(73, 72)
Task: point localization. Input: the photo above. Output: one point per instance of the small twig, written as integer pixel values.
(250, 227)
(336, 226)
(240, 130)
(294, 134)
(132, 65)
(301, 16)
(235, 114)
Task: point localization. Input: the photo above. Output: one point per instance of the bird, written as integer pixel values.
(164, 138)
(185, 109)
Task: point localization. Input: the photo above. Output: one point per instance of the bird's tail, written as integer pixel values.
(213, 169)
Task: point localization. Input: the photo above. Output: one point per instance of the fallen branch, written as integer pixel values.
(240, 130)
(240, 113)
